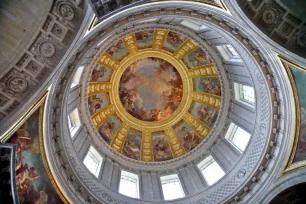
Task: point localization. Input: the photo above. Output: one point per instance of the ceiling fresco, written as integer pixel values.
(154, 95)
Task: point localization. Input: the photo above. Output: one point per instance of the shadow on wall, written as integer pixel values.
(293, 195)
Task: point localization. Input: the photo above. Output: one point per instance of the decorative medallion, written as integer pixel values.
(269, 16)
(66, 11)
(154, 95)
(47, 49)
(17, 84)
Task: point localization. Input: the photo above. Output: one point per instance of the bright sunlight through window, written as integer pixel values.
(211, 170)
(239, 137)
(172, 188)
(93, 161)
(129, 184)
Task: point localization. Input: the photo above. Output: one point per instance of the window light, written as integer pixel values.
(77, 76)
(232, 50)
(93, 161)
(211, 170)
(129, 184)
(244, 93)
(239, 137)
(172, 188)
(74, 122)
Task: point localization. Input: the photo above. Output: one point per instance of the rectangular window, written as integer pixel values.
(77, 76)
(232, 51)
(237, 136)
(172, 188)
(93, 161)
(211, 170)
(74, 122)
(245, 94)
(129, 184)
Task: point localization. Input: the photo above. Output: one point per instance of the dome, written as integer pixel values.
(182, 102)
(153, 95)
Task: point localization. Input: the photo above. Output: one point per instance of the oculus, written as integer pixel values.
(151, 89)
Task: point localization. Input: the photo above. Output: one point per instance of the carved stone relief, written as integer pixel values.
(44, 52)
(279, 22)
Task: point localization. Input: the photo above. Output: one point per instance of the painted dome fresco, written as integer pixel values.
(154, 95)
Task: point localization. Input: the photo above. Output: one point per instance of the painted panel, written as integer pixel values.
(110, 128)
(101, 73)
(33, 183)
(132, 144)
(144, 39)
(97, 102)
(173, 41)
(209, 85)
(118, 50)
(189, 139)
(196, 58)
(299, 76)
(204, 113)
(161, 149)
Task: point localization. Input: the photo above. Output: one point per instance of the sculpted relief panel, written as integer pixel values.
(44, 52)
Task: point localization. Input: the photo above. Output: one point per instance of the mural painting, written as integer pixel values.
(173, 41)
(118, 50)
(188, 137)
(97, 101)
(206, 114)
(101, 73)
(299, 76)
(151, 89)
(161, 149)
(196, 58)
(33, 184)
(209, 85)
(109, 129)
(132, 144)
(144, 39)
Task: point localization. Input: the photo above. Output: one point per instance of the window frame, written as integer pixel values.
(239, 94)
(94, 153)
(204, 164)
(76, 77)
(230, 135)
(128, 176)
(74, 122)
(171, 178)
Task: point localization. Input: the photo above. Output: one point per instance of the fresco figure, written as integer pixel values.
(187, 136)
(118, 50)
(209, 85)
(97, 101)
(206, 114)
(144, 39)
(196, 58)
(32, 181)
(161, 149)
(173, 41)
(110, 128)
(100, 73)
(132, 144)
(151, 89)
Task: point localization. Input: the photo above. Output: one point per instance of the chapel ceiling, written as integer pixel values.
(281, 20)
(154, 95)
(35, 36)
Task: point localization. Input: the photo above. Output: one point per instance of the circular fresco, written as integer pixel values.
(151, 89)
(154, 95)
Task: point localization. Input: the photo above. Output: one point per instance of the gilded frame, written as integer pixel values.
(290, 164)
(38, 105)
